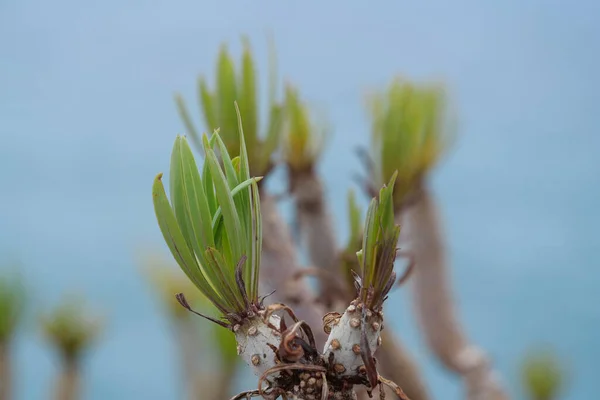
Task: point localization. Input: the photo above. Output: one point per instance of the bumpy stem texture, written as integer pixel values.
(279, 268)
(435, 307)
(255, 338)
(344, 341)
(68, 385)
(316, 230)
(5, 372)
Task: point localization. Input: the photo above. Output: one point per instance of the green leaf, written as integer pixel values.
(187, 120)
(227, 95)
(178, 246)
(248, 104)
(217, 217)
(224, 278)
(208, 182)
(208, 105)
(354, 216)
(369, 240)
(273, 139)
(231, 219)
(257, 238)
(243, 200)
(227, 163)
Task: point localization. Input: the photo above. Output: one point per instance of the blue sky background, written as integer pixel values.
(87, 120)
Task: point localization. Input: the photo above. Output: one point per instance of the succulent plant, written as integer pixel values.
(411, 130)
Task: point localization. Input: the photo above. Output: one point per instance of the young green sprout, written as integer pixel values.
(72, 330)
(355, 335)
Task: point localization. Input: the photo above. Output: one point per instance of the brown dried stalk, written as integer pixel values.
(435, 306)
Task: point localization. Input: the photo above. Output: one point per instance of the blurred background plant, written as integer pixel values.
(543, 375)
(71, 329)
(207, 353)
(12, 307)
(216, 109)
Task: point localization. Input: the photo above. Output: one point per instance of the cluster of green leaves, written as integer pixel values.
(303, 140)
(71, 328)
(212, 224)
(219, 114)
(378, 252)
(410, 132)
(12, 303)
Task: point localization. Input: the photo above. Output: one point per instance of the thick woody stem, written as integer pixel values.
(316, 229)
(434, 304)
(5, 371)
(68, 385)
(279, 268)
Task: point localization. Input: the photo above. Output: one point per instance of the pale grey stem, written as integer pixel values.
(434, 303)
(317, 233)
(68, 385)
(5, 371)
(279, 266)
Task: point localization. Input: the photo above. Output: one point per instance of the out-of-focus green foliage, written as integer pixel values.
(167, 282)
(218, 113)
(213, 221)
(12, 303)
(348, 256)
(542, 376)
(410, 132)
(304, 140)
(379, 246)
(71, 328)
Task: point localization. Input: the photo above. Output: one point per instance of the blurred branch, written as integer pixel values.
(279, 267)
(435, 307)
(188, 354)
(316, 228)
(5, 372)
(302, 148)
(68, 386)
(71, 329)
(397, 364)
